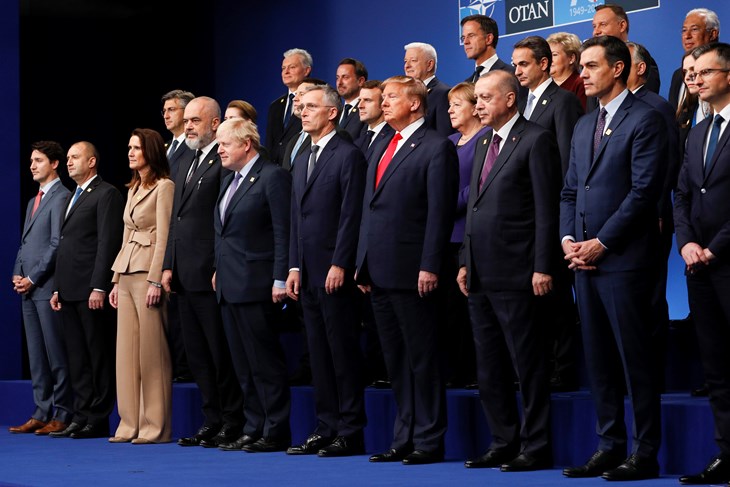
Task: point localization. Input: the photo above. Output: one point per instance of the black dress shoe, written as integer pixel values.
(716, 472)
(91, 431)
(392, 455)
(528, 463)
(422, 457)
(311, 445)
(344, 446)
(225, 435)
(491, 459)
(267, 445)
(600, 462)
(204, 433)
(238, 444)
(634, 468)
(72, 428)
(381, 384)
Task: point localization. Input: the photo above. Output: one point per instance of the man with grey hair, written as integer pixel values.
(420, 63)
(701, 26)
(281, 126)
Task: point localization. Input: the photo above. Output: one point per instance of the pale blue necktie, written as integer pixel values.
(229, 197)
(76, 195)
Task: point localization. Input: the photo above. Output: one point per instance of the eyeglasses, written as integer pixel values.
(312, 107)
(468, 36)
(171, 110)
(706, 73)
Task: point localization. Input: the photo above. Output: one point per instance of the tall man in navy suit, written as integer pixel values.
(325, 217)
(408, 211)
(507, 260)
(702, 218)
(420, 62)
(608, 223)
(33, 281)
(351, 75)
(91, 234)
(187, 270)
(480, 35)
(251, 218)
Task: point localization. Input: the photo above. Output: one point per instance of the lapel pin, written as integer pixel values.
(413, 146)
(88, 190)
(484, 142)
(544, 102)
(210, 162)
(608, 132)
(514, 139)
(253, 178)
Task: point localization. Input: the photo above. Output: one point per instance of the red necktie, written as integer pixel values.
(492, 154)
(37, 202)
(387, 157)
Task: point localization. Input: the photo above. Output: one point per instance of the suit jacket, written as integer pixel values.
(613, 195)
(91, 235)
(499, 64)
(36, 257)
(512, 223)
(558, 111)
(352, 124)
(286, 159)
(191, 239)
(701, 209)
(407, 219)
(326, 211)
(252, 246)
(146, 226)
(367, 147)
(277, 136)
(182, 153)
(437, 107)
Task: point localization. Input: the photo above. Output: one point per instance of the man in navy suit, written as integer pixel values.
(702, 218)
(371, 115)
(33, 281)
(420, 62)
(507, 260)
(408, 211)
(480, 35)
(91, 234)
(325, 218)
(251, 219)
(351, 75)
(608, 223)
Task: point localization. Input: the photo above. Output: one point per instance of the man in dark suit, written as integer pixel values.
(351, 75)
(702, 218)
(371, 115)
(556, 110)
(701, 26)
(91, 234)
(281, 126)
(300, 143)
(480, 35)
(325, 218)
(420, 63)
(507, 260)
(408, 211)
(608, 223)
(251, 265)
(187, 270)
(33, 281)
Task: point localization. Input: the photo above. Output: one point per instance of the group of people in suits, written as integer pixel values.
(353, 203)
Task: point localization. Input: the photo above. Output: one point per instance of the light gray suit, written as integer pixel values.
(46, 347)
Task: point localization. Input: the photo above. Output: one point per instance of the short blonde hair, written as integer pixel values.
(569, 42)
(241, 130)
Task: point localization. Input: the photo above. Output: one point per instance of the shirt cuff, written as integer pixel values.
(279, 284)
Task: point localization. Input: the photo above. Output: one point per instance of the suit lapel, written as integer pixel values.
(718, 150)
(246, 183)
(325, 156)
(542, 103)
(408, 146)
(83, 196)
(508, 147)
(197, 176)
(140, 195)
(618, 117)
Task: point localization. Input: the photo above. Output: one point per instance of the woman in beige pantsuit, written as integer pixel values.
(144, 371)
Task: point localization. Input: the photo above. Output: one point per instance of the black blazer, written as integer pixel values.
(277, 136)
(352, 124)
(437, 107)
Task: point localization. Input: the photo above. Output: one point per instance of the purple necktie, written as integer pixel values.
(600, 128)
(229, 197)
(492, 154)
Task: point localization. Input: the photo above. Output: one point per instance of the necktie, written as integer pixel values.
(287, 113)
(229, 197)
(387, 157)
(295, 151)
(600, 128)
(37, 202)
(529, 107)
(712, 144)
(369, 138)
(312, 160)
(345, 112)
(173, 148)
(193, 166)
(492, 154)
(477, 73)
(76, 195)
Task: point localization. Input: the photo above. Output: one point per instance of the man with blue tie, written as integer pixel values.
(608, 223)
(702, 222)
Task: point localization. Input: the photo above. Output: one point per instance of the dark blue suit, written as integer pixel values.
(251, 251)
(437, 107)
(351, 123)
(405, 228)
(325, 219)
(613, 196)
(702, 216)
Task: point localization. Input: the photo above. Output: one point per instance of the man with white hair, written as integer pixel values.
(420, 63)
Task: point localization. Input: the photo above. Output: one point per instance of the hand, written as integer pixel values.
(22, 285)
(461, 280)
(292, 285)
(114, 297)
(278, 294)
(96, 300)
(541, 283)
(55, 303)
(661, 226)
(364, 288)
(154, 294)
(584, 254)
(427, 282)
(167, 280)
(335, 279)
(212, 281)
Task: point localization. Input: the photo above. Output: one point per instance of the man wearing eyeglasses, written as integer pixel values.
(480, 34)
(702, 219)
